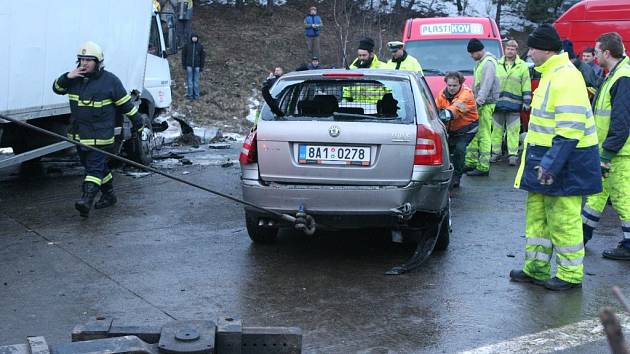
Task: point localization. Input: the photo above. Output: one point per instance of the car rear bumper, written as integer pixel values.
(349, 206)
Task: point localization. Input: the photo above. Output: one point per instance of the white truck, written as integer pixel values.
(39, 40)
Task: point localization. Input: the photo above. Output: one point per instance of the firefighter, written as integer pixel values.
(612, 118)
(401, 60)
(96, 96)
(515, 96)
(559, 165)
(458, 111)
(366, 59)
(486, 90)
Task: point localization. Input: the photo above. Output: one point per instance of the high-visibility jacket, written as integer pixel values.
(364, 93)
(406, 62)
(95, 100)
(462, 106)
(515, 85)
(562, 137)
(375, 64)
(603, 105)
(486, 83)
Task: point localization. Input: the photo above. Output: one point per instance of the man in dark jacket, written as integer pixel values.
(312, 28)
(193, 58)
(96, 97)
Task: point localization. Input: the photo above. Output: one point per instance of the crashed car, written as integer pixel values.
(354, 149)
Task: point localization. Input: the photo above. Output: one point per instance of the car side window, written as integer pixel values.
(427, 98)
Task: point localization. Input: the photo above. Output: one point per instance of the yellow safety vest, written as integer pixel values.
(374, 65)
(516, 87)
(560, 106)
(410, 64)
(603, 106)
(479, 69)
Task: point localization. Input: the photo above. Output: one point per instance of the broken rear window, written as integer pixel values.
(343, 99)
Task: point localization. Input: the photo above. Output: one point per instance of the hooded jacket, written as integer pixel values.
(193, 54)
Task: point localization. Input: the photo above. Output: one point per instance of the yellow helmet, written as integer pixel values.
(91, 50)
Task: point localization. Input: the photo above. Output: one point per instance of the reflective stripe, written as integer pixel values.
(625, 224)
(107, 178)
(93, 179)
(541, 129)
(73, 97)
(543, 114)
(541, 256)
(591, 211)
(590, 130)
(569, 262)
(93, 141)
(95, 104)
(574, 109)
(538, 241)
(567, 124)
(59, 88)
(570, 249)
(123, 100)
(133, 111)
(602, 112)
(589, 222)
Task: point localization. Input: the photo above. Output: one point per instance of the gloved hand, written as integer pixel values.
(544, 177)
(445, 115)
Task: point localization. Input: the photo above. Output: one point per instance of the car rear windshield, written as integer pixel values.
(374, 100)
(438, 56)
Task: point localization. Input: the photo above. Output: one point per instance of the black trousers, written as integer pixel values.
(95, 164)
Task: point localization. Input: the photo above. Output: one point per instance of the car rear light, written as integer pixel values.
(428, 147)
(342, 75)
(248, 151)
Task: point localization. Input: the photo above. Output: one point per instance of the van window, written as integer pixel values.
(364, 100)
(438, 56)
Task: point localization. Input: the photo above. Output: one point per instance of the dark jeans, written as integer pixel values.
(457, 142)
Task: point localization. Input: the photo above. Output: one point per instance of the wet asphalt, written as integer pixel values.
(167, 251)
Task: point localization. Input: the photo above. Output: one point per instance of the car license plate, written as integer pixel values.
(334, 155)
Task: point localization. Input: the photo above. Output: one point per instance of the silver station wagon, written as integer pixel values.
(354, 149)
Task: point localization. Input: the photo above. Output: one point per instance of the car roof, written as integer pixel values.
(367, 74)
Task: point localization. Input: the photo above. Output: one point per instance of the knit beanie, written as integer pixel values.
(545, 37)
(367, 44)
(474, 45)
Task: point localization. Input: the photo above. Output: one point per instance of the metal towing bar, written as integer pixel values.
(226, 336)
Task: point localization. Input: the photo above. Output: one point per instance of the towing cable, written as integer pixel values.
(301, 220)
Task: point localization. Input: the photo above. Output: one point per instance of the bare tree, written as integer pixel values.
(342, 16)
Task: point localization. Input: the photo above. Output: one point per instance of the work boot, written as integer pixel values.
(522, 277)
(87, 199)
(587, 231)
(557, 284)
(621, 253)
(512, 160)
(454, 183)
(108, 198)
(478, 173)
(495, 158)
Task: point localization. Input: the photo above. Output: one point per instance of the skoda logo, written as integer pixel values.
(334, 131)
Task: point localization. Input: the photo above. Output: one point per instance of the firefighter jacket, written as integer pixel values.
(95, 100)
(486, 86)
(406, 62)
(373, 64)
(462, 105)
(515, 86)
(612, 112)
(562, 137)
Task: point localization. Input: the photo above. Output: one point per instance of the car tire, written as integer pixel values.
(260, 234)
(444, 237)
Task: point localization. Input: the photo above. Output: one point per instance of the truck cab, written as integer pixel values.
(440, 44)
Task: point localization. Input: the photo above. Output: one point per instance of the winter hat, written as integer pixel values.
(545, 37)
(367, 44)
(474, 45)
(567, 46)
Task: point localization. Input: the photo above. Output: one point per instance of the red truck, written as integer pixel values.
(583, 23)
(440, 45)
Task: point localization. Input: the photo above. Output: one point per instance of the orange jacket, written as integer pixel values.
(463, 107)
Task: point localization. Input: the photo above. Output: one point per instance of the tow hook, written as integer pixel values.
(302, 221)
(403, 212)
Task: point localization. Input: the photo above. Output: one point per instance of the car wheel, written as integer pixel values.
(259, 234)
